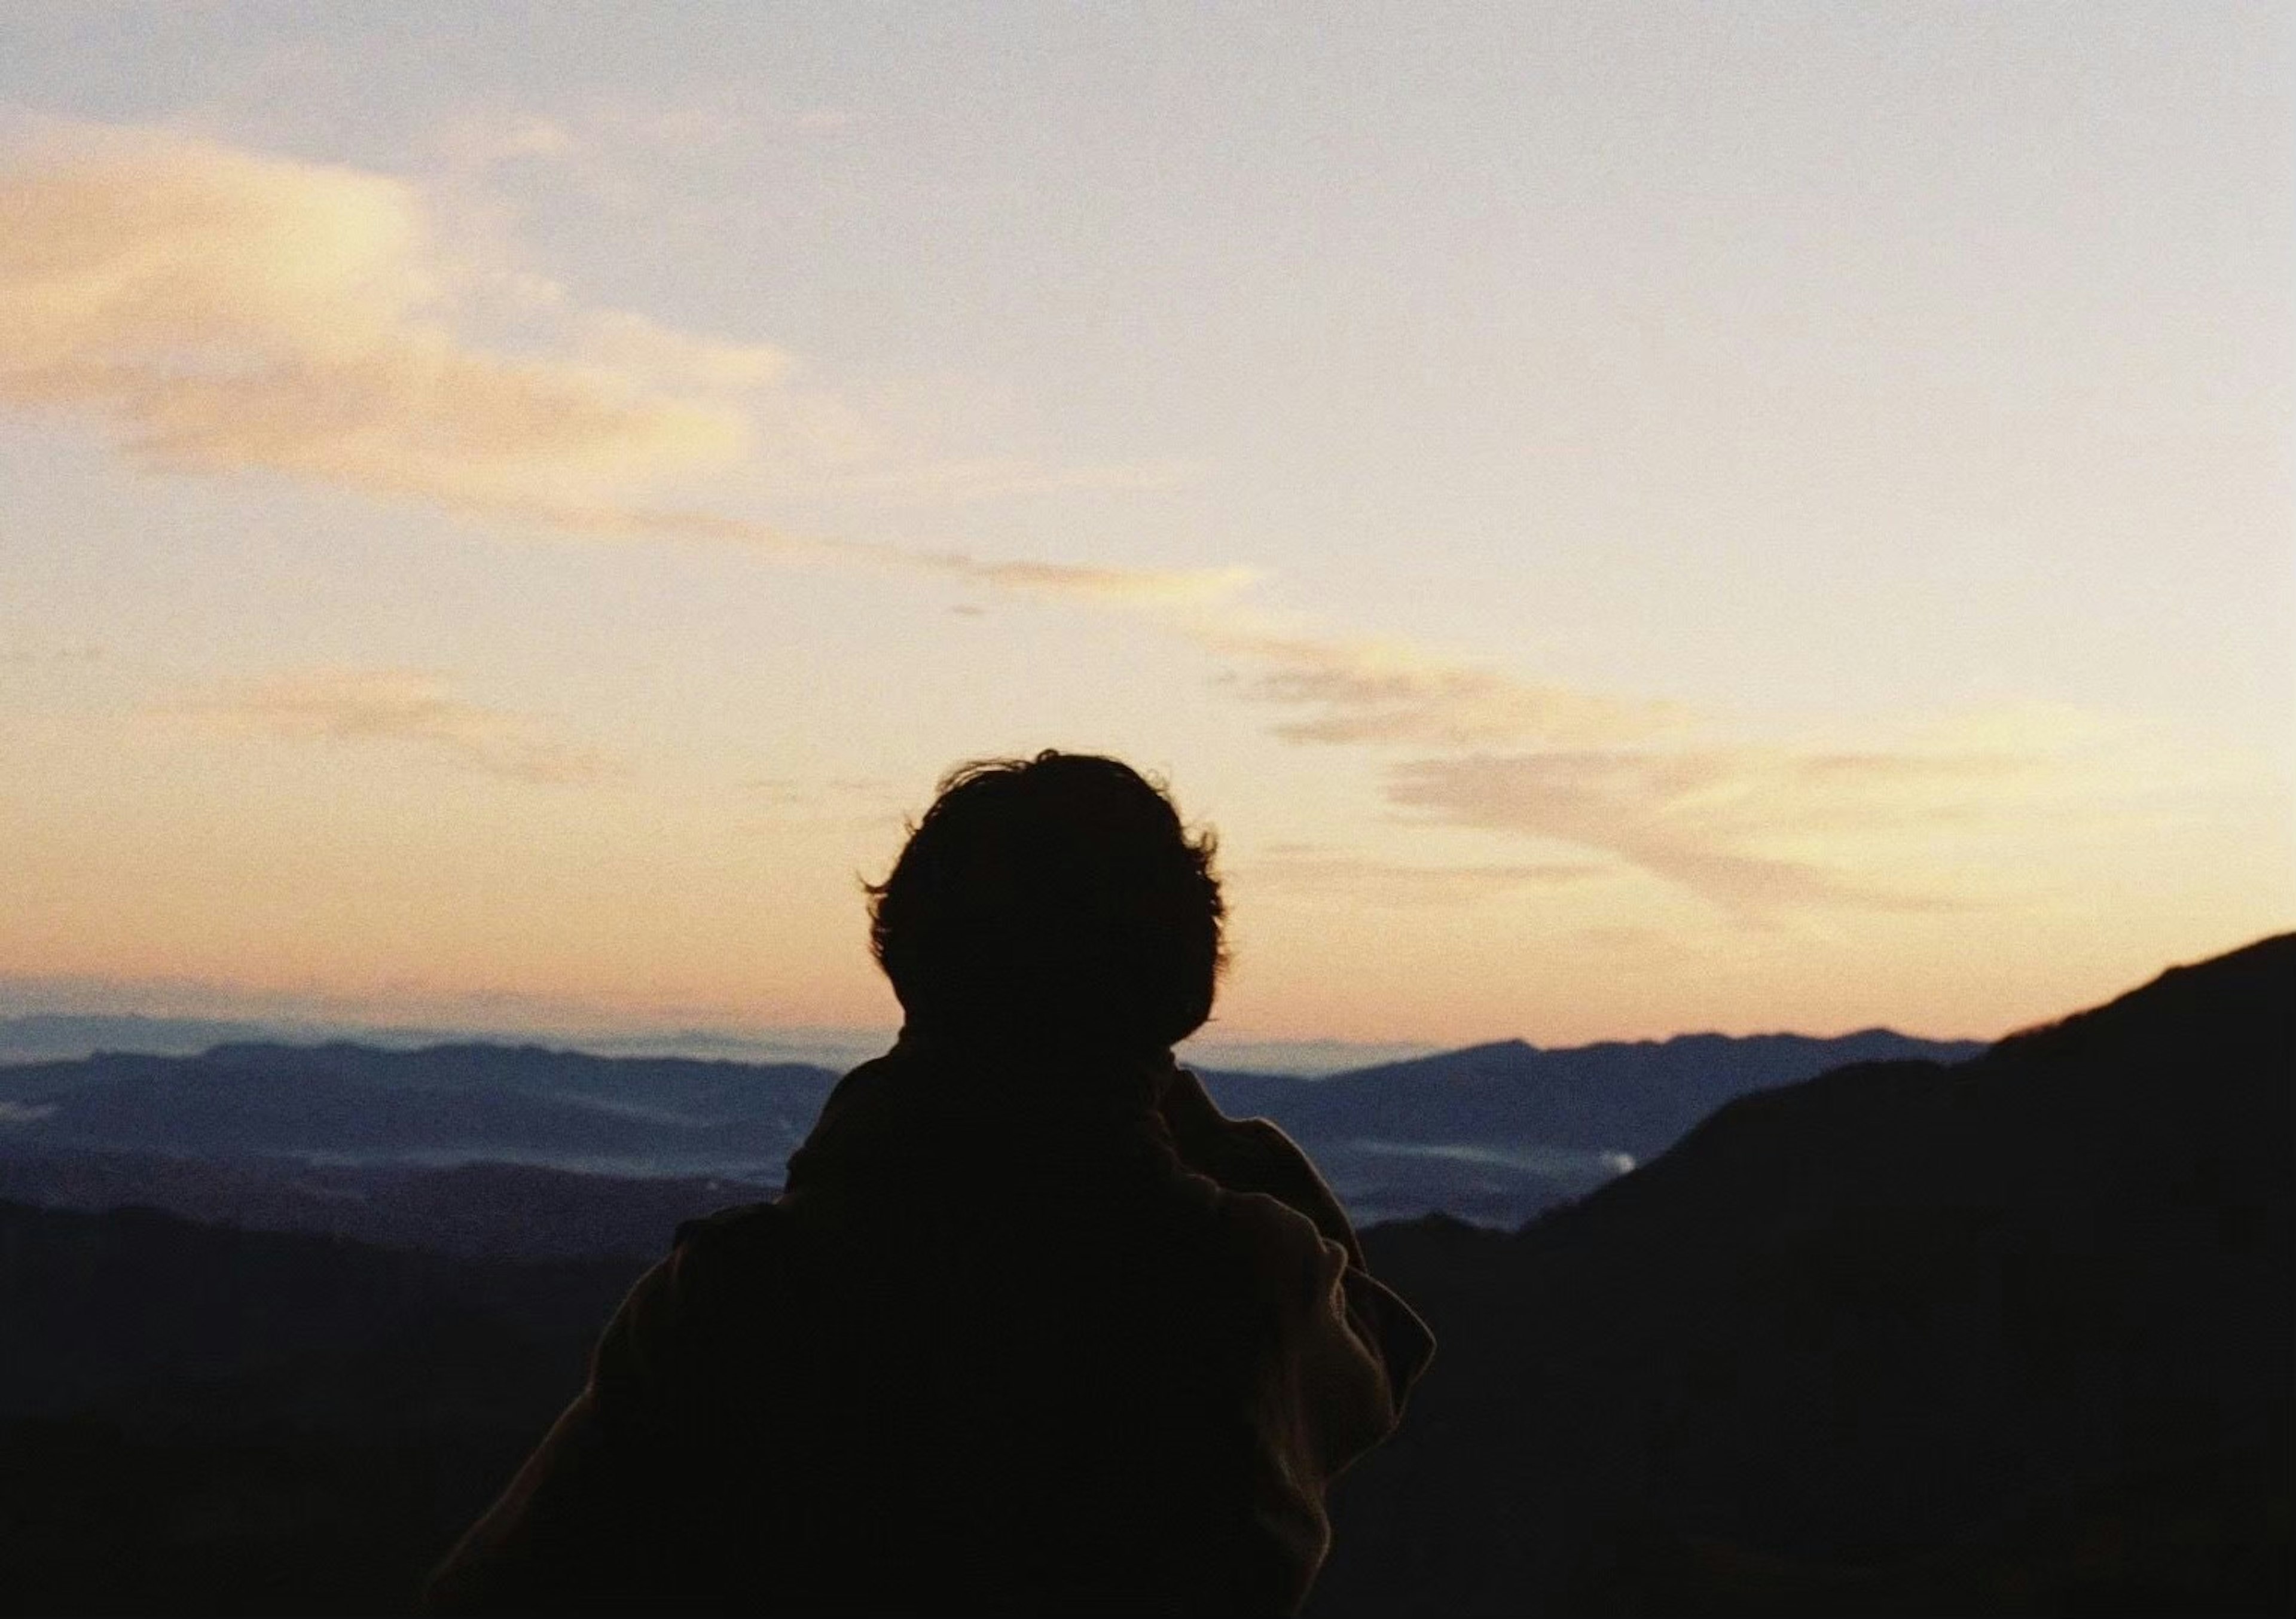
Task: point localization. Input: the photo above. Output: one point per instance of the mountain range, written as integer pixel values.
(334, 1136)
(63, 1036)
(2006, 1335)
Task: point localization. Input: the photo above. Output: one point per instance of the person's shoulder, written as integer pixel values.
(733, 1230)
(714, 1262)
(719, 1260)
(703, 1309)
(1260, 1231)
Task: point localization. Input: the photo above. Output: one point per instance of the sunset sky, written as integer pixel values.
(1627, 519)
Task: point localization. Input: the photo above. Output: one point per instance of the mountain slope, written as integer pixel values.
(1913, 1320)
(2007, 1337)
(198, 1419)
(501, 1211)
(1498, 1132)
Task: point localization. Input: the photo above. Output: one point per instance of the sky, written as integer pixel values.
(1626, 519)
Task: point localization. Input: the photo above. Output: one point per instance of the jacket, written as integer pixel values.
(1046, 1335)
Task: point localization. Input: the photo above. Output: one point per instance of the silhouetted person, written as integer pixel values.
(1032, 1328)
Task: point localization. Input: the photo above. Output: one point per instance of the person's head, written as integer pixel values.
(1056, 899)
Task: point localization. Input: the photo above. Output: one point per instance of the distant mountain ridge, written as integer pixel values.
(439, 1105)
(56, 1036)
(1491, 1132)
(1636, 1097)
(64, 1037)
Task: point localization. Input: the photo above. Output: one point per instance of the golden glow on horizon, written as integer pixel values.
(456, 639)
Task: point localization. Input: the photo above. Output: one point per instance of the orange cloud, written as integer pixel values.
(403, 707)
(226, 310)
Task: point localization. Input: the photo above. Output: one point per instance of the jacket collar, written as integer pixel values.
(932, 1105)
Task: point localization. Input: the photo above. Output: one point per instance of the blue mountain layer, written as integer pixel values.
(1493, 1133)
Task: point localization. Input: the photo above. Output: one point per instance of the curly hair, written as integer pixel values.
(1058, 899)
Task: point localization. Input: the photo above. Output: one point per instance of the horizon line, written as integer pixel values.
(195, 1033)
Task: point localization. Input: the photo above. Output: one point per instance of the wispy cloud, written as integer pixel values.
(1359, 691)
(226, 310)
(1151, 589)
(966, 480)
(1145, 587)
(1356, 880)
(229, 310)
(402, 707)
(1640, 780)
(1734, 824)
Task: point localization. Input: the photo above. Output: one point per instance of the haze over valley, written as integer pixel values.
(338, 1132)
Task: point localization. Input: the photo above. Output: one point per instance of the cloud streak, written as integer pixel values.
(228, 311)
(403, 707)
(1388, 884)
(231, 311)
(1381, 693)
(1157, 589)
(1733, 824)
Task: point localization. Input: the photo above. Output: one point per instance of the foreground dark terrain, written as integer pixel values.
(2010, 1335)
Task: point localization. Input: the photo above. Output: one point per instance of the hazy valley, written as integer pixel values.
(527, 1151)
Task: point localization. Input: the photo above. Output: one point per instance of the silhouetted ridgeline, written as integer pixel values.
(2013, 1335)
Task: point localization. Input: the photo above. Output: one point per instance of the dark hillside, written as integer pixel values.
(195, 1418)
(2011, 1336)
(480, 1211)
(2008, 1336)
